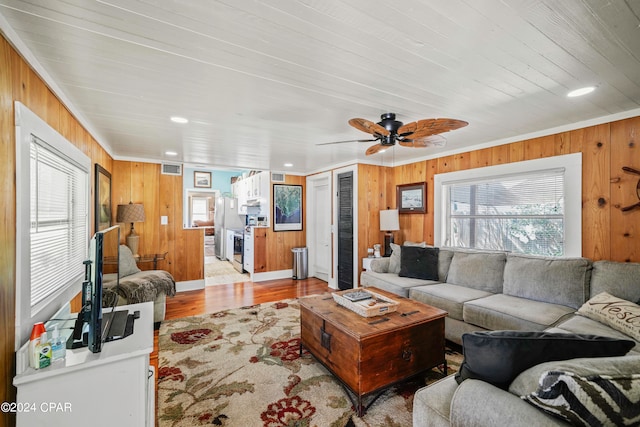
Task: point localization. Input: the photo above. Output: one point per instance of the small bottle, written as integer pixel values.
(43, 350)
(58, 346)
(34, 340)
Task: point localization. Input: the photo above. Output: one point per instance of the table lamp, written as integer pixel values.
(133, 212)
(389, 222)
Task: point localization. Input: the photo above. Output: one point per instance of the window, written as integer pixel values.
(52, 205)
(58, 226)
(199, 209)
(531, 207)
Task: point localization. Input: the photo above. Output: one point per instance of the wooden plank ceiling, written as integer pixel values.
(264, 81)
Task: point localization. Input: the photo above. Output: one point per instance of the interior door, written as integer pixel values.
(322, 230)
(345, 230)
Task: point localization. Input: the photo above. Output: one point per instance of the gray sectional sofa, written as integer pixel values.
(490, 291)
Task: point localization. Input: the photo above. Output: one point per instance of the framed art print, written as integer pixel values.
(287, 207)
(202, 179)
(412, 198)
(103, 198)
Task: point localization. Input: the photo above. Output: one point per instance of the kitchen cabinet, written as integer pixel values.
(247, 258)
(254, 190)
(255, 250)
(229, 245)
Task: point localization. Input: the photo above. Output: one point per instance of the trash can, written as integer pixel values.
(300, 269)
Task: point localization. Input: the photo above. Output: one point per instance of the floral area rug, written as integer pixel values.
(242, 367)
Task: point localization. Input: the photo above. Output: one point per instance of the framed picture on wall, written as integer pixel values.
(412, 198)
(103, 198)
(287, 207)
(202, 179)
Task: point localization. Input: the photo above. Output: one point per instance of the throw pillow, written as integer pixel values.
(621, 315)
(126, 262)
(497, 357)
(598, 400)
(394, 259)
(419, 263)
(396, 251)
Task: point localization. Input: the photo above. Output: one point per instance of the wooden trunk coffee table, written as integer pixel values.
(369, 354)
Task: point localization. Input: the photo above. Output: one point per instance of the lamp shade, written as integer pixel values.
(130, 213)
(389, 220)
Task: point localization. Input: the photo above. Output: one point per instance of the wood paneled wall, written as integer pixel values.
(161, 195)
(607, 232)
(18, 82)
(280, 243)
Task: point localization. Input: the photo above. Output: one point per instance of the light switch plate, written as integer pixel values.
(164, 220)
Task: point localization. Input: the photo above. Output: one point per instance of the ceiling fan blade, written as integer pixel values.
(425, 141)
(369, 127)
(428, 127)
(351, 140)
(376, 149)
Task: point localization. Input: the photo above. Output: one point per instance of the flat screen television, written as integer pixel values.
(104, 250)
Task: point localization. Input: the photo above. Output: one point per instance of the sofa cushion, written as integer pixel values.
(446, 296)
(527, 381)
(392, 282)
(563, 281)
(444, 262)
(478, 270)
(497, 357)
(479, 404)
(620, 314)
(396, 254)
(394, 259)
(433, 403)
(601, 400)
(579, 324)
(380, 265)
(419, 263)
(126, 262)
(501, 311)
(621, 279)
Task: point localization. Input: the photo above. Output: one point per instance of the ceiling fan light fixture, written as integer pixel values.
(582, 91)
(389, 131)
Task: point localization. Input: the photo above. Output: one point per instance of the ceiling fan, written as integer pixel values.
(388, 131)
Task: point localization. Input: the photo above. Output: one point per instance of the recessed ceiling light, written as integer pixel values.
(288, 165)
(581, 91)
(170, 153)
(181, 120)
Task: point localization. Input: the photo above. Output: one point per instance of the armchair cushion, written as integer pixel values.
(126, 262)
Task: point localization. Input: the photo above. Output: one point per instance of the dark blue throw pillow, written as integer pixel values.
(498, 357)
(419, 263)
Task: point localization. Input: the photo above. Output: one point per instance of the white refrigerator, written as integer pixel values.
(226, 217)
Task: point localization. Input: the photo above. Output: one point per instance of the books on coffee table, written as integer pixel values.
(365, 303)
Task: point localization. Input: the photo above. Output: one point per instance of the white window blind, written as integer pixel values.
(200, 208)
(519, 212)
(58, 221)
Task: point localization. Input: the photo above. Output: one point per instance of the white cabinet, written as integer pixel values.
(229, 245)
(254, 190)
(248, 253)
(115, 387)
